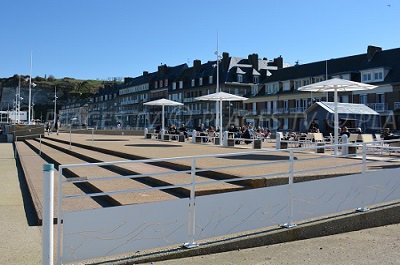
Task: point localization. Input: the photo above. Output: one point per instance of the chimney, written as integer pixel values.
(253, 60)
(371, 51)
(145, 73)
(278, 62)
(162, 69)
(196, 65)
(225, 61)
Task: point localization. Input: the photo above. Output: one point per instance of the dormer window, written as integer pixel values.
(366, 77)
(373, 75)
(240, 78)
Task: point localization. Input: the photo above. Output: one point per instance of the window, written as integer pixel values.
(193, 82)
(200, 81)
(297, 84)
(286, 86)
(363, 99)
(240, 78)
(166, 82)
(155, 84)
(161, 83)
(210, 79)
(173, 85)
(380, 98)
(256, 79)
(180, 84)
(366, 77)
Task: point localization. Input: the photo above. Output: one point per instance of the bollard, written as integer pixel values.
(48, 214)
(278, 139)
(194, 134)
(225, 138)
(345, 148)
(146, 131)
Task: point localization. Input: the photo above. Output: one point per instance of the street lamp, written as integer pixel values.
(55, 105)
(70, 132)
(30, 92)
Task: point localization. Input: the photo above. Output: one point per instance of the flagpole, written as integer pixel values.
(30, 93)
(217, 110)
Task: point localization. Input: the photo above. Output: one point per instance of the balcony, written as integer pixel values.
(297, 110)
(265, 112)
(242, 112)
(188, 100)
(128, 102)
(378, 107)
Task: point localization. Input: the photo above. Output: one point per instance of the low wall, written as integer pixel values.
(109, 132)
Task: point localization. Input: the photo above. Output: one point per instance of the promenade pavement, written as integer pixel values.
(19, 243)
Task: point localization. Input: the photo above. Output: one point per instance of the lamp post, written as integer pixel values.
(30, 93)
(55, 105)
(70, 132)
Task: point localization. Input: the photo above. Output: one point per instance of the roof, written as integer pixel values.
(344, 108)
(350, 64)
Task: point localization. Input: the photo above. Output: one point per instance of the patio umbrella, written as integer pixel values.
(163, 102)
(336, 85)
(221, 96)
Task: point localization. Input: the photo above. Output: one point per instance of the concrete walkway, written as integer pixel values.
(20, 243)
(380, 245)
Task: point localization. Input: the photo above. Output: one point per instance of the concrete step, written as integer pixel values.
(60, 158)
(171, 177)
(32, 166)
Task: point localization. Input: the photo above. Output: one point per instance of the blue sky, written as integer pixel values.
(98, 39)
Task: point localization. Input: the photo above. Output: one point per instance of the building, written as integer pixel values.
(124, 104)
(279, 105)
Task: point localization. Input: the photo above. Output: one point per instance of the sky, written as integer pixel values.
(102, 39)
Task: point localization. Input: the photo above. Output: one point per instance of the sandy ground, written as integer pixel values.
(379, 245)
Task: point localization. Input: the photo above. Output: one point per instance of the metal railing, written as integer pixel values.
(289, 167)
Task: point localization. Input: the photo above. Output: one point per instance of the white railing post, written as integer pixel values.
(59, 215)
(290, 223)
(48, 214)
(192, 210)
(364, 158)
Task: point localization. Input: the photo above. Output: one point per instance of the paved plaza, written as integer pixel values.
(21, 242)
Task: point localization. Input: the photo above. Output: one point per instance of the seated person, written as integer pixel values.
(247, 134)
(388, 135)
(183, 130)
(345, 131)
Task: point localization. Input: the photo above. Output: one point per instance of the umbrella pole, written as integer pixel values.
(336, 122)
(220, 120)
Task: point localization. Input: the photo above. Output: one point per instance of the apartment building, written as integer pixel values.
(279, 105)
(124, 104)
